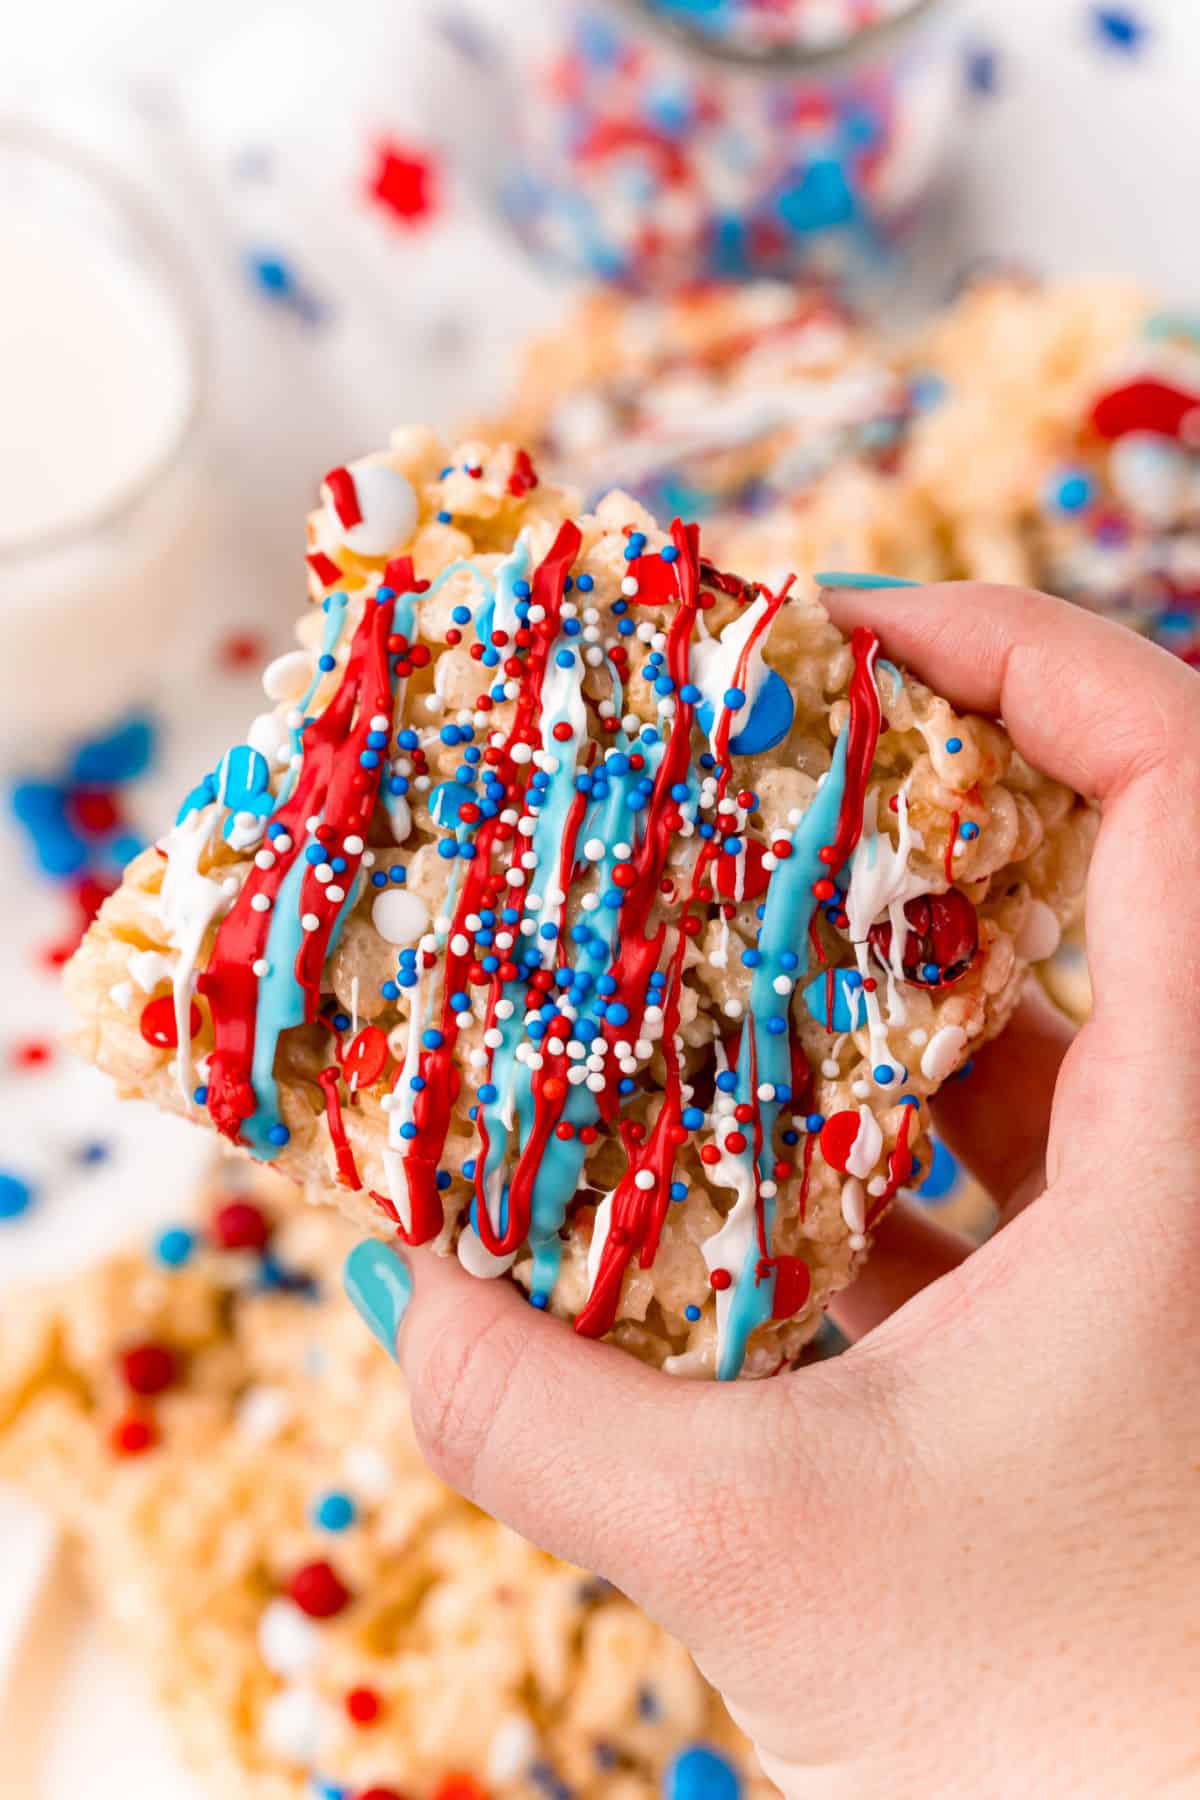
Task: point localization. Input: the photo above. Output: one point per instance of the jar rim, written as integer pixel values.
(838, 57)
(126, 202)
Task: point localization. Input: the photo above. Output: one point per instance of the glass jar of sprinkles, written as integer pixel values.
(659, 142)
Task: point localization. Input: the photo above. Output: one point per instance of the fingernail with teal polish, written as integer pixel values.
(836, 578)
(380, 1287)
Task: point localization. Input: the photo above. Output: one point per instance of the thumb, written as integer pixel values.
(591, 1454)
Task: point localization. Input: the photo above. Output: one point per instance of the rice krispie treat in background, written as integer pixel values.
(584, 910)
(319, 1615)
(1119, 528)
(763, 410)
(1019, 366)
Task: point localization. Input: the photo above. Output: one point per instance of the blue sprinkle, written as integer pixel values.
(814, 1121)
(584, 583)
(445, 518)
(326, 663)
(954, 745)
(883, 1074)
(200, 1096)
(734, 699)
(16, 1196)
(174, 1246)
(678, 1190)
(334, 1512)
(692, 1313)
(541, 1301)
(278, 1135)
(727, 1081)
(1119, 27)
(700, 1773)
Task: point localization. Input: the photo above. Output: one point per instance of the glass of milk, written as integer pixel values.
(102, 364)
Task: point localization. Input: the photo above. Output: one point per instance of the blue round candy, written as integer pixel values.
(766, 724)
(846, 1013)
(943, 1177)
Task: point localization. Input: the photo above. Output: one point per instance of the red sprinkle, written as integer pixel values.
(323, 567)
(240, 1225)
(363, 1705)
(720, 1279)
(318, 1590)
(241, 650)
(133, 1436)
(149, 1368)
(344, 495)
(523, 476)
(458, 1787)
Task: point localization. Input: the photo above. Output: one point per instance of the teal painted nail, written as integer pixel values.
(380, 1287)
(836, 578)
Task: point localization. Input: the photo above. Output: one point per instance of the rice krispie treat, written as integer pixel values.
(319, 1615)
(764, 410)
(584, 910)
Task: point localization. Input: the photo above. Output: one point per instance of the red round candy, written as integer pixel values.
(793, 1285)
(133, 1436)
(318, 1590)
(366, 1057)
(158, 1022)
(720, 1279)
(149, 1368)
(744, 878)
(943, 934)
(240, 1225)
(837, 1139)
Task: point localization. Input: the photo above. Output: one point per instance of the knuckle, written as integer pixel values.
(466, 1367)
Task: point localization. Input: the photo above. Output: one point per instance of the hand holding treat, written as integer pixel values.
(586, 910)
(941, 1564)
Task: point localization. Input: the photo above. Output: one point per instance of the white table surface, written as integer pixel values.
(1085, 157)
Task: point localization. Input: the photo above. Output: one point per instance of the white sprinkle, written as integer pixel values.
(310, 922)
(260, 902)
(644, 1179)
(264, 859)
(629, 585)
(260, 967)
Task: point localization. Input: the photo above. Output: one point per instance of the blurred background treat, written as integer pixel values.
(873, 284)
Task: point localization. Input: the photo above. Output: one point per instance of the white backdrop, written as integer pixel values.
(1085, 156)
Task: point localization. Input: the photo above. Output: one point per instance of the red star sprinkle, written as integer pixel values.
(240, 650)
(404, 181)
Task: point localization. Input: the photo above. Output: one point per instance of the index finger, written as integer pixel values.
(1090, 704)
